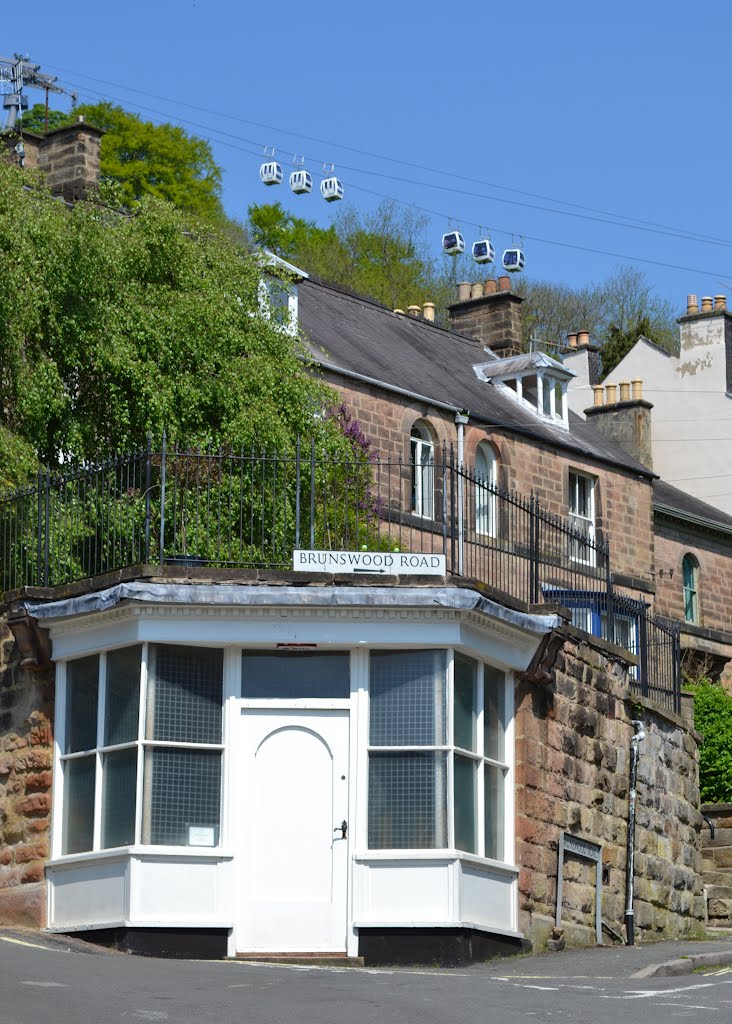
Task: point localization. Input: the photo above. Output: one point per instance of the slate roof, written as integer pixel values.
(356, 334)
(668, 498)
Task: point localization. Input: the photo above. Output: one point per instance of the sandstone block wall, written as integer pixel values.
(572, 765)
(623, 501)
(26, 759)
(714, 556)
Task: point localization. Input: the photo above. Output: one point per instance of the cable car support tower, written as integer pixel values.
(20, 74)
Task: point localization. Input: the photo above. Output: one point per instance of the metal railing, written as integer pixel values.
(253, 509)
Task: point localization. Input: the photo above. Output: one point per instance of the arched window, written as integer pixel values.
(485, 498)
(422, 453)
(690, 568)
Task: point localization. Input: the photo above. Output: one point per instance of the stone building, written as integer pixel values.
(219, 750)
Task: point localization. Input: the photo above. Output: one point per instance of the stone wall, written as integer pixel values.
(572, 762)
(26, 759)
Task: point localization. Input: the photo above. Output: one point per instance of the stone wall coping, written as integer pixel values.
(658, 709)
(715, 808)
(596, 642)
(721, 636)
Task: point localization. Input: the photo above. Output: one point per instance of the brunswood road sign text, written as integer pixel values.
(393, 563)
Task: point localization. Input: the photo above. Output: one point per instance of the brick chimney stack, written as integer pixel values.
(68, 157)
(493, 318)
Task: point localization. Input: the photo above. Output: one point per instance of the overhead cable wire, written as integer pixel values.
(446, 217)
(619, 220)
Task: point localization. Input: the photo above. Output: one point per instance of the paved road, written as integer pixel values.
(52, 984)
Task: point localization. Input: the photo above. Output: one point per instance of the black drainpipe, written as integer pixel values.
(634, 744)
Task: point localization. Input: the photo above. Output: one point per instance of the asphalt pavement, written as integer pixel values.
(56, 980)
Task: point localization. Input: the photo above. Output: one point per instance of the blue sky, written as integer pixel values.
(619, 107)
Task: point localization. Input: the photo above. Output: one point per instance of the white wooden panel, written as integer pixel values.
(487, 897)
(403, 892)
(180, 891)
(94, 892)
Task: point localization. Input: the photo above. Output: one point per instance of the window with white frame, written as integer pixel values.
(278, 301)
(422, 456)
(582, 517)
(485, 496)
(141, 748)
(437, 757)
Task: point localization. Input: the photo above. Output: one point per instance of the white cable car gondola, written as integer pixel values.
(483, 251)
(453, 243)
(513, 260)
(271, 173)
(301, 182)
(331, 189)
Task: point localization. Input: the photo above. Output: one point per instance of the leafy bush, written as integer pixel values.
(713, 719)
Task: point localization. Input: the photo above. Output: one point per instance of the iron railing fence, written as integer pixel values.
(254, 508)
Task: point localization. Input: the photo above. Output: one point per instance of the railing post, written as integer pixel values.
(643, 653)
(452, 510)
(533, 549)
(444, 500)
(163, 468)
(610, 597)
(460, 512)
(297, 493)
(39, 531)
(47, 530)
(312, 493)
(148, 484)
(677, 669)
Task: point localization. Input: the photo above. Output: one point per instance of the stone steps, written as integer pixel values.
(722, 837)
(717, 868)
(723, 878)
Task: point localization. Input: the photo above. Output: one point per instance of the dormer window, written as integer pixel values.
(535, 380)
(278, 302)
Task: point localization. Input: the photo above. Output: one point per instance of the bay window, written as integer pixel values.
(141, 748)
(437, 759)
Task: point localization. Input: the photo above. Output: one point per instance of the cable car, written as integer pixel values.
(483, 251)
(453, 243)
(301, 182)
(271, 173)
(513, 260)
(331, 189)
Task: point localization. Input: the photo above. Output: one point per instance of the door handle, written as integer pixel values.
(342, 828)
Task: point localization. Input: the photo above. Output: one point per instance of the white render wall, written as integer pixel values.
(691, 422)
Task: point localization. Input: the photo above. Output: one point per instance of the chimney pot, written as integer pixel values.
(428, 311)
(720, 302)
(572, 340)
(583, 338)
(504, 284)
(490, 287)
(414, 310)
(637, 385)
(476, 290)
(399, 311)
(599, 392)
(692, 304)
(707, 304)
(624, 390)
(80, 119)
(463, 291)
(611, 390)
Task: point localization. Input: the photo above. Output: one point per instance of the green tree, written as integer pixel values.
(713, 719)
(113, 325)
(34, 120)
(145, 159)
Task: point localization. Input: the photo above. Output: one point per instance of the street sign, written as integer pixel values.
(391, 563)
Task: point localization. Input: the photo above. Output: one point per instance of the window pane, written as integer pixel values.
(123, 696)
(494, 714)
(119, 787)
(407, 801)
(82, 686)
(78, 826)
(464, 715)
(182, 790)
(294, 676)
(185, 691)
(465, 788)
(407, 698)
(493, 802)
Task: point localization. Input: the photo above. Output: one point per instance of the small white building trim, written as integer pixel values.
(362, 778)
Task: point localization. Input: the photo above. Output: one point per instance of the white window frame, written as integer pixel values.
(479, 758)
(585, 523)
(485, 497)
(422, 462)
(141, 743)
(267, 285)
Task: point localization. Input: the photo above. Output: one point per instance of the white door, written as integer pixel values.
(292, 796)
